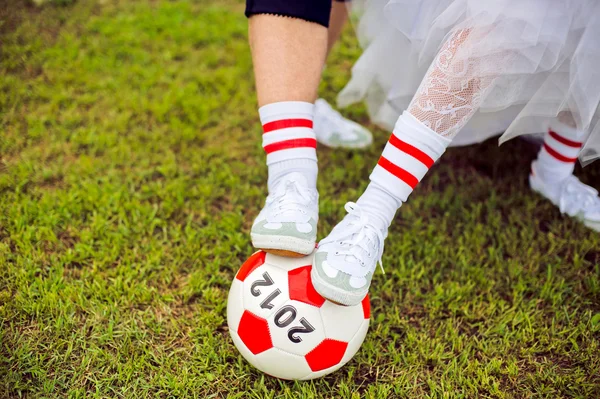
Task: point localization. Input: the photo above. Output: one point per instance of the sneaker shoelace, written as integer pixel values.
(290, 197)
(576, 197)
(359, 237)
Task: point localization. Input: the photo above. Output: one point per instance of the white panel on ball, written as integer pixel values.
(283, 365)
(235, 304)
(302, 318)
(265, 290)
(341, 322)
(356, 342)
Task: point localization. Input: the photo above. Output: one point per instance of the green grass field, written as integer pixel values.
(131, 170)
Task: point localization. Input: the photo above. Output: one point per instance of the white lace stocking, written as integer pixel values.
(454, 86)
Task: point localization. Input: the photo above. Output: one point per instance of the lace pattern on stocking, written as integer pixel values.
(455, 84)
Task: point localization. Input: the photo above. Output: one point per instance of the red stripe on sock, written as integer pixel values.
(285, 123)
(397, 171)
(561, 139)
(287, 144)
(412, 151)
(558, 155)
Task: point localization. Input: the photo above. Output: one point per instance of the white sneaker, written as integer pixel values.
(346, 259)
(287, 225)
(333, 130)
(571, 196)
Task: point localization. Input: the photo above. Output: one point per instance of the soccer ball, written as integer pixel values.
(283, 327)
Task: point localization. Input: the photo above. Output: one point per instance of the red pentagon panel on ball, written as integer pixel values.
(366, 305)
(257, 259)
(327, 354)
(254, 332)
(301, 287)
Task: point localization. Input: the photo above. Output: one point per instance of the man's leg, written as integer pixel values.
(288, 41)
(337, 21)
(288, 56)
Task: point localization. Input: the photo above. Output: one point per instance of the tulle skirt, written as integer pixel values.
(540, 57)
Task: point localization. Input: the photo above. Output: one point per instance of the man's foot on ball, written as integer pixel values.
(571, 196)
(333, 130)
(345, 261)
(287, 225)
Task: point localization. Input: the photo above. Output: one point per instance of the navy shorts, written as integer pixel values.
(317, 11)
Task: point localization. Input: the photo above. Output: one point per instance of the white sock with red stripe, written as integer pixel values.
(557, 157)
(411, 150)
(289, 141)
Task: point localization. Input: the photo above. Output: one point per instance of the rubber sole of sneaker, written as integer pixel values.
(283, 252)
(290, 247)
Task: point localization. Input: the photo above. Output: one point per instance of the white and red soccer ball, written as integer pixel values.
(283, 327)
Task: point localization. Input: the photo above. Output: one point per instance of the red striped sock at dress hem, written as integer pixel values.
(559, 152)
(563, 140)
(558, 155)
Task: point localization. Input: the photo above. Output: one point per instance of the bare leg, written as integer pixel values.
(339, 16)
(288, 56)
